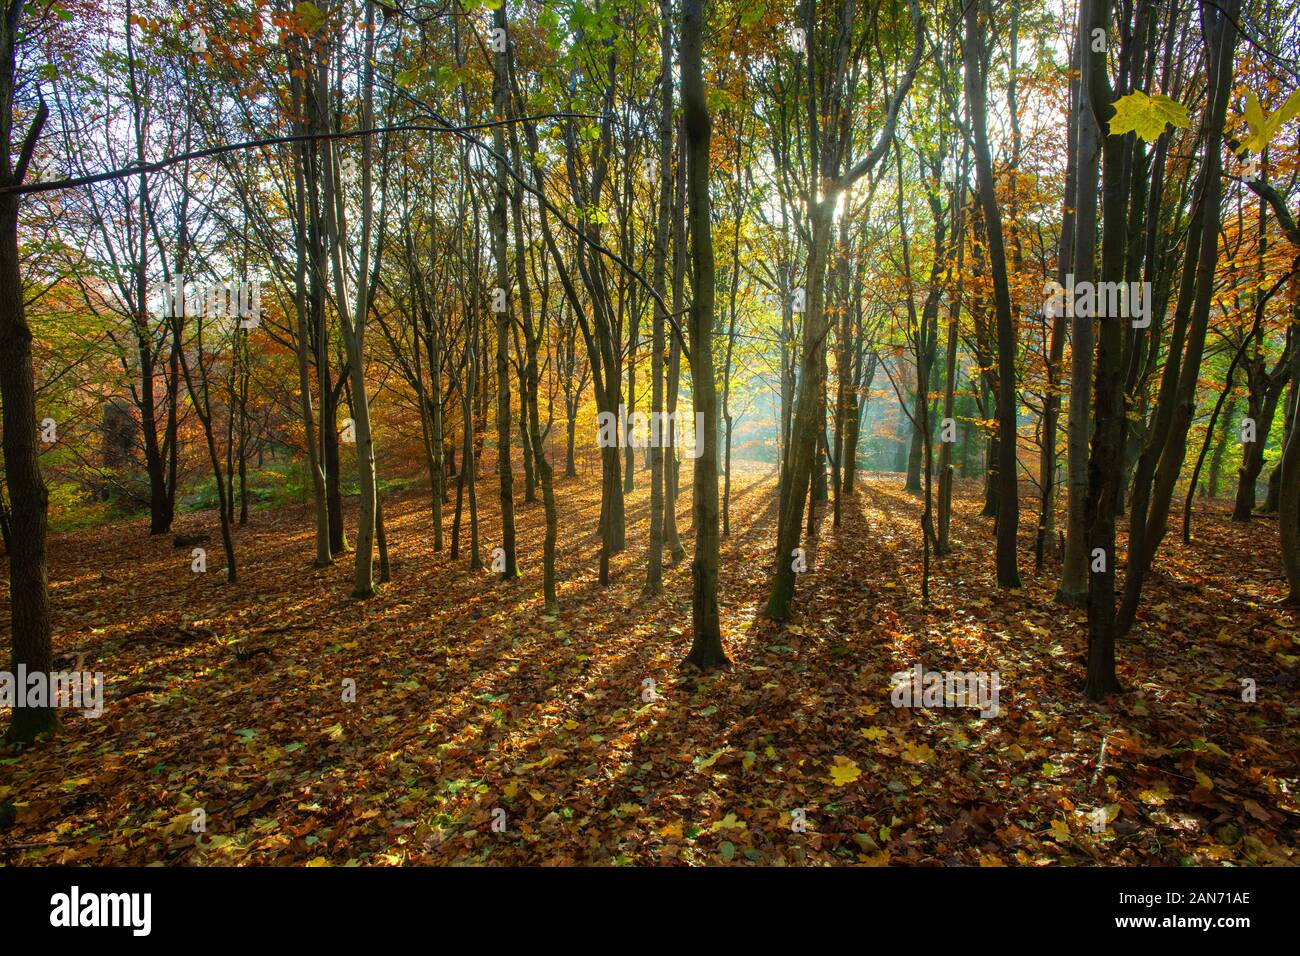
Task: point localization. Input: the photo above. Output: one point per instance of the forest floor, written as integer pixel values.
(224, 703)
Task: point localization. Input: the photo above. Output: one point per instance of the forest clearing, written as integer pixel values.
(470, 698)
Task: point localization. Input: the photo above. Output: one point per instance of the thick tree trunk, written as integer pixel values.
(1288, 511)
(805, 428)
(29, 600)
(1261, 408)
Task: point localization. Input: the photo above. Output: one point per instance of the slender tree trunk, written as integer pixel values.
(1008, 480)
(654, 561)
(706, 645)
(1073, 587)
(363, 584)
(672, 541)
(1205, 240)
(500, 98)
(1220, 447)
(944, 546)
(1045, 542)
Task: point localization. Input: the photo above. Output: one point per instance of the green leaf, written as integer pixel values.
(310, 15)
(1147, 115)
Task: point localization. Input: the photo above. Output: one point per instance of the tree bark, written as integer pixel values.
(706, 646)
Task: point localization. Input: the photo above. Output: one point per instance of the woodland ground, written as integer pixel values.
(228, 698)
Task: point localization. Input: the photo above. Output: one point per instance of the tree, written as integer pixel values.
(28, 573)
(706, 644)
(1008, 478)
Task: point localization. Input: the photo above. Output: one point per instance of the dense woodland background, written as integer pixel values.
(829, 239)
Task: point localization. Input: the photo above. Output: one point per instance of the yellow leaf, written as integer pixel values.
(729, 822)
(844, 771)
(1147, 115)
(672, 831)
(1060, 831)
(918, 753)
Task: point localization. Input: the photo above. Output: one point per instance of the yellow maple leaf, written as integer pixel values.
(844, 771)
(918, 753)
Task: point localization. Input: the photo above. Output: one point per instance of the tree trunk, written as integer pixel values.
(29, 599)
(1008, 480)
(1073, 587)
(500, 98)
(654, 561)
(706, 645)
